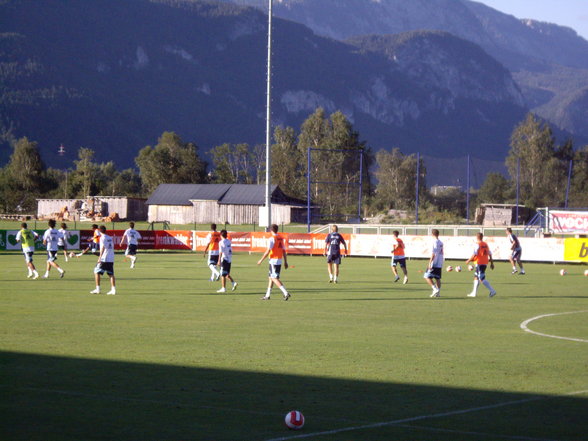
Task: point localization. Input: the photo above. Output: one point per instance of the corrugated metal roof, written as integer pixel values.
(233, 194)
(180, 194)
(245, 194)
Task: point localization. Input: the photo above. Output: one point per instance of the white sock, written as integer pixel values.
(35, 273)
(215, 273)
(335, 278)
(60, 270)
(30, 271)
(476, 283)
(97, 287)
(268, 292)
(283, 289)
(514, 268)
(487, 285)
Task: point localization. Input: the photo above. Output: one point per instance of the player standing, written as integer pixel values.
(50, 240)
(105, 262)
(398, 257)
(62, 241)
(213, 238)
(276, 251)
(435, 266)
(515, 247)
(225, 258)
(482, 255)
(132, 238)
(27, 238)
(333, 243)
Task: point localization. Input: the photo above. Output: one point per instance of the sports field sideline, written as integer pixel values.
(168, 358)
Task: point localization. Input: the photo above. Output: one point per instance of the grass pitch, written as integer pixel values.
(168, 358)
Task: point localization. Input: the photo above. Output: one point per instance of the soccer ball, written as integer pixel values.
(294, 420)
(586, 273)
(562, 272)
(470, 267)
(449, 268)
(458, 269)
(72, 254)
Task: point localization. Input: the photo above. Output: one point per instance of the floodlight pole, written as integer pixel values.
(418, 173)
(468, 193)
(268, 161)
(518, 189)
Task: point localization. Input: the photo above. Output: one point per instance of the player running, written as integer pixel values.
(132, 238)
(50, 240)
(333, 243)
(27, 239)
(276, 251)
(213, 238)
(225, 258)
(515, 257)
(482, 255)
(105, 262)
(435, 266)
(398, 257)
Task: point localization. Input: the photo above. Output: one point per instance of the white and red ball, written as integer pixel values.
(470, 267)
(458, 269)
(294, 420)
(562, 272)
(586, 273)
(449, 268)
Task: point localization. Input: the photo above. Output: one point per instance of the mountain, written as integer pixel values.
(536, 53)
(112, 76)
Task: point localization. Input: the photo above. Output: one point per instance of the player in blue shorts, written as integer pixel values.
(516, 251)
(333, 243)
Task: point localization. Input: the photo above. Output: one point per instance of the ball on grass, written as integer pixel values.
(586, 273)
(294, 420)
(562, 272)
(449, 268)
(470, 267)
(458, 269)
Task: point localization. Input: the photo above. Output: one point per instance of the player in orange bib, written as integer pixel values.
(276, 251)
(398, 257)
(481, 256)
(94, 243)
(214, 237)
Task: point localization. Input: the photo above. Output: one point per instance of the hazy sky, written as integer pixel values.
(571, 13)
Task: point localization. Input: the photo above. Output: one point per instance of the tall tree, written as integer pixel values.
(86, 173)
(532, 143)
(579, 187)
(24, 176)
(288, 167)
(396, 177)
(170, 161)
(335, 161)
(233, 164)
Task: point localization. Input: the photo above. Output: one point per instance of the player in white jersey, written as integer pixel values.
(62, 241)
(435, 266)
(225, 259)
(105, 262)
(516, 249)
(50, 240)
(132, 238)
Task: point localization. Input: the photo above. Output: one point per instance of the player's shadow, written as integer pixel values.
(59, 398)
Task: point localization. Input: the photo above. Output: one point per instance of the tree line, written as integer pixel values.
(339, 160)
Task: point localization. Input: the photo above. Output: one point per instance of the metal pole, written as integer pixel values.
(418, 173)
(468, 194)
(308, 220)
(268, 162)
(360, 186)
(518, 189)
(569, 181)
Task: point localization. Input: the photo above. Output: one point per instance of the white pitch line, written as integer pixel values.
(423, 417)
(478, 434)
(526, 329)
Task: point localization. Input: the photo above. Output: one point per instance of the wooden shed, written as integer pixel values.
(221, 203)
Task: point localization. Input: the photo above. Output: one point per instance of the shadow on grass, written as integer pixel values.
(55, 398)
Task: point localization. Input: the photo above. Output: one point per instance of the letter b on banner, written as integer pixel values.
(576, 250)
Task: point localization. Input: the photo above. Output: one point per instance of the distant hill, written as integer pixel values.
(549, 62)
(113, 75)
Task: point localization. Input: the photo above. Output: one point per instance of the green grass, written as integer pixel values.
(169, 359)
